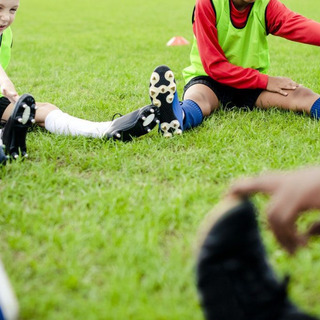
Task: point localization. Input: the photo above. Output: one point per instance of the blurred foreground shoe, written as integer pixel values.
(234, 279)
(9, 308)
(15, 130)
(134, 124)
(162, 91)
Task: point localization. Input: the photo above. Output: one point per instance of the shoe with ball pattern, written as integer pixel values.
(133, 124)
(162, 92)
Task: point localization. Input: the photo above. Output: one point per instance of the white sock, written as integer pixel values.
(62, 123)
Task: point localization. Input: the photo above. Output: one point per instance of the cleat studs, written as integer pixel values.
(170, 100)
(148, 130)
(152, 93)
(36, 108)
(25, 155)
(163, 90)
(157, 121)
(24, 105)
(167, 135)
(164, 127)
(157, 104)
(178, 132)
(118, 135)
(152, 110)
(143, 118)
(175, 124)
(19, 120)
(15, 156)
(33, 121)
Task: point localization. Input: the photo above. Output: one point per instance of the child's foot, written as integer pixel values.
(134, 124)
(9, 308)
(15, 130)
(162, 93)
(234, 278)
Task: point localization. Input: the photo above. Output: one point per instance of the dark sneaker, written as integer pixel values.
(15, 130)
(234, 279)
(163, 94)
(9, 308)
(134, 124)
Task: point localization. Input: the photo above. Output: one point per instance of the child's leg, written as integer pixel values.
(134, 124)
(300, 99)
(56, 121)
(204, 97)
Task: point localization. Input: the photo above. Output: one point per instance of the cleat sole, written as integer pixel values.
(162, 91)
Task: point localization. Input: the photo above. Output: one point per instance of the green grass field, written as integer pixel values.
(93, 229)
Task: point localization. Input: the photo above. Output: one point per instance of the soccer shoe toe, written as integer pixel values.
(15, 131)
(134, 124)
(162, 92)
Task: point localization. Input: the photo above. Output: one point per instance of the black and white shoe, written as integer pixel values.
(9, 308)
(133, 124)
(234, 278)
(15, 130)
(162, 92)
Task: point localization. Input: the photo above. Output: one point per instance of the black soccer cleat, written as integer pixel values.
(133, 124)
(234, 279)
(15, 130)
(162, 91)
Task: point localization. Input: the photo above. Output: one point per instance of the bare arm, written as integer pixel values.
(7, 87)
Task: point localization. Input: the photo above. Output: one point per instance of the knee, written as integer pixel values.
(207, 104)
(46, 106)
(301, 99)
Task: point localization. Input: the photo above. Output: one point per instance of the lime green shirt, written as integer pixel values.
(246, 47)
(5, 48)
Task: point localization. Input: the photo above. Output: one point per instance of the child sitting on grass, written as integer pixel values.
(229, 62)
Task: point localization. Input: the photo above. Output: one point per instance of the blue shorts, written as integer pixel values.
(229, 97)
